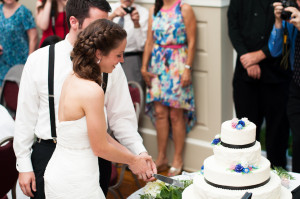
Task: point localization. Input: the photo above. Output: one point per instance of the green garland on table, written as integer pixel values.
(282, 173)
(162, 190)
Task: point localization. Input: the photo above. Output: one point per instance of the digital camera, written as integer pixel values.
(285, 15)
(129, 10)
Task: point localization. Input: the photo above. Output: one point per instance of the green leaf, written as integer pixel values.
(282, 173)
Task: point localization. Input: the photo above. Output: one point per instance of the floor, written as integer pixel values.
(128, 185)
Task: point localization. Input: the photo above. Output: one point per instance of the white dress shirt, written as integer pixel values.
(136, 37)
(33, 106)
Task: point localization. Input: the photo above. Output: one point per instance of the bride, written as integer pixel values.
(72, 171)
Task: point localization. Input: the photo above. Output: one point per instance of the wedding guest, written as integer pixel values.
(51, 18)
(134, 19)
(260, 85)
(277, 35)
(72, 171)
(293, 106)
(33, 106)
(167, 61)
(18, 35)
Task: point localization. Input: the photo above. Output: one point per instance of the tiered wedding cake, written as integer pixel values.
(236, 167)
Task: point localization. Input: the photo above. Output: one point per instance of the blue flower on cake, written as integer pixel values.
(239, 127)
(243, 168)
(246, 170)
(202, 170)
(238, 168)
(217, 140)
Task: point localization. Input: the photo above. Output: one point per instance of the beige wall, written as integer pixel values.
(29, 4)
(212, 75)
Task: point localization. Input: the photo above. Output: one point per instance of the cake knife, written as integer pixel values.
(168, 180)
(247, 196)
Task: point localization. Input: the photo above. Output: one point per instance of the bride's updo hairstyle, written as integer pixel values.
(102, 34)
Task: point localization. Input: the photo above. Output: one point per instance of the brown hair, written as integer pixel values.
(102, 34)
(158, 5)
(80, 9)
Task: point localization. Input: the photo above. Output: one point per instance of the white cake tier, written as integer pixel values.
(227, 156)
(233, 136)
(201, 190)
(223, 176)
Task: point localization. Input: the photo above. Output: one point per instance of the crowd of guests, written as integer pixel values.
(99, 46)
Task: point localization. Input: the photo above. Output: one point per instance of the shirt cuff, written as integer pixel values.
(24, 165)
(137, 148)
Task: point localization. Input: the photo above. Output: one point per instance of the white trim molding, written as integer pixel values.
(204, 3)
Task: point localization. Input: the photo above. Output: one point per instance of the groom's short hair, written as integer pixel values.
(80, 9)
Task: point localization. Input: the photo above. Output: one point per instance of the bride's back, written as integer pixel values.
(73, 98)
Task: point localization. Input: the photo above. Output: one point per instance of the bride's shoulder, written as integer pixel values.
(90, 89)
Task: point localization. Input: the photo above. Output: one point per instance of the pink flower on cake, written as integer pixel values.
(234, 122)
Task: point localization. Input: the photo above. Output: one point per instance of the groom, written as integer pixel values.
(33, 119)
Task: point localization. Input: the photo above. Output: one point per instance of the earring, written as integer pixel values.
(99, 60)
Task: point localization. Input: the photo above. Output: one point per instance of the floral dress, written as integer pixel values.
(14, 38)
(168, 59)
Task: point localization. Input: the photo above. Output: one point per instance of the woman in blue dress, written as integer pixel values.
(18, 36)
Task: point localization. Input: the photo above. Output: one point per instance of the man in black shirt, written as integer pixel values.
(260, 86)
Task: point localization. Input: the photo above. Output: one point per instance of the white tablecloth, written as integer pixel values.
(293, 184)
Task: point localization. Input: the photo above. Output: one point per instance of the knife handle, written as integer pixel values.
(247, 196)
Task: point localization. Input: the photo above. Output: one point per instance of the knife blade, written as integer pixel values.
(168, 180)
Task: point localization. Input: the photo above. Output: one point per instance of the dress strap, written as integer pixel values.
(172, 7)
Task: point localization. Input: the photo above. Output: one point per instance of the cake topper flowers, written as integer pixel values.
(239, 124)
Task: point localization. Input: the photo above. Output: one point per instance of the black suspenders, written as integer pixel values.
(51, 92)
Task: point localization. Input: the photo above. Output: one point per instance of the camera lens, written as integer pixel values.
(285, 15)
(129, 9)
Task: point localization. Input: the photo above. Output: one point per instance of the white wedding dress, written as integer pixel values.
(73, 171)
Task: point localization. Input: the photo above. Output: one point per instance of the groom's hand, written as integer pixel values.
(151, 170)
(139, 165)
(27, 183)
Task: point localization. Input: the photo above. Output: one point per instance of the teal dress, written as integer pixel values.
(14, 38)
(167, 62)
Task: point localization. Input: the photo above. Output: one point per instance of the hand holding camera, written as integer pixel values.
(285, 14)
(295, 17)
(128, 10)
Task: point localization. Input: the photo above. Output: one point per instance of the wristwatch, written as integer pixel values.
(187, 66)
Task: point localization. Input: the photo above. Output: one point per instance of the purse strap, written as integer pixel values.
(51, 92)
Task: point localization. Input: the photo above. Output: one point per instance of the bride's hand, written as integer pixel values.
(140, 166)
